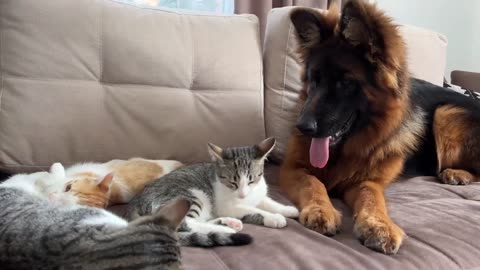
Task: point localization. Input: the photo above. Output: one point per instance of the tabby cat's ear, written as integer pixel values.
(265, 147)
(57, 169)
(173, 213)
(106, 182)
(215, 152)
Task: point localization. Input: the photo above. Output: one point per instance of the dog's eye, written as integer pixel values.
(68, 187)
(347, 83)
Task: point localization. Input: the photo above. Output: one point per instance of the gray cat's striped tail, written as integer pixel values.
(214, 239)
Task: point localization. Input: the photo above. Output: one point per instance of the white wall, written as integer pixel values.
(475, 59)
(459, 20)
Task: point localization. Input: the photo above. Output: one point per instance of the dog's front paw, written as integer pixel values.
(379, 233)
(456, 177)
(290, 212)
(274, 221)
(323, 219)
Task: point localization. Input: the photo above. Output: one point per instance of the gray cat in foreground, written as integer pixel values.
(36, 234)
(222, 194)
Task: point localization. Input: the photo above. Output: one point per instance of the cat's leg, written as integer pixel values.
(258, 216)
(205, 227)
(277, 208)
(233, 223)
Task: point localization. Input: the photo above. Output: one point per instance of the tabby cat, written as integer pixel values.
(221, 193)
(36, 234)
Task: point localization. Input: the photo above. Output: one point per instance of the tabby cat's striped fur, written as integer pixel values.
(222, 194)
(36, 234)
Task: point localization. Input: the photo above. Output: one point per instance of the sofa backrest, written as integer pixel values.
(427, 53)
(95, 80)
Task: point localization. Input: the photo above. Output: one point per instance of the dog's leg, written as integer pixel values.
(457, 144)
(307, 192)
(373, 226)
(456, 177)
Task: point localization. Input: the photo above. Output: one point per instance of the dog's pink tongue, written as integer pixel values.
(319, 152)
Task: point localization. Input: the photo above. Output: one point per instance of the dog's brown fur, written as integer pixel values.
(455, 144)
(374, 157)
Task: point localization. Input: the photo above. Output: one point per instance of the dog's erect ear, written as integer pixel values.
(307, 23)
(313, 26)
(358, 27)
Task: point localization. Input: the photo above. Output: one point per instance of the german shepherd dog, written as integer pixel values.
(364, 120)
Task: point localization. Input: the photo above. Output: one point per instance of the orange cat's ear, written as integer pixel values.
(106, 182)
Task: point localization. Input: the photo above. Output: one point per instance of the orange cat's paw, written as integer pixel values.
(323, 219)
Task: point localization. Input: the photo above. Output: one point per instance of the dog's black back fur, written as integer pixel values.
(428, 97)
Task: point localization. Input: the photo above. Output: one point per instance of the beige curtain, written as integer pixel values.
(262, 7)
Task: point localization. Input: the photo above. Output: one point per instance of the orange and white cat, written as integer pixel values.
(114, 182)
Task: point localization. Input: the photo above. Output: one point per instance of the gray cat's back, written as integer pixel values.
(177, 184)
(37, 235)
(21, 211)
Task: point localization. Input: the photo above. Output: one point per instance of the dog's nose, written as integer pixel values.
(308, 127)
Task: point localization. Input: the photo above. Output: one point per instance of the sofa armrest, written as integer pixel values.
(467, 80)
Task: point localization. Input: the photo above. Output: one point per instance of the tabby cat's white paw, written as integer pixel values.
(224, 229)
(290, 212)
(233, 223)
(275, 221)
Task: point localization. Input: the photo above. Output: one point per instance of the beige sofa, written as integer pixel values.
(97, 80)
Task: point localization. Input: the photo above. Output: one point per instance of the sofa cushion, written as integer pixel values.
(97, 80)
(426, 58)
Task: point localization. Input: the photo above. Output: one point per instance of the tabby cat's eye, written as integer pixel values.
(234, 184)
(251, 182)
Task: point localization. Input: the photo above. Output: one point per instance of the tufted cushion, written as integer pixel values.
(426, 57)
(97, 80)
